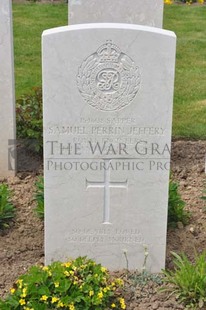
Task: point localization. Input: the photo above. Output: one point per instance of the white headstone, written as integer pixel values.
(142, 12)
(7, 96)
(108, 96)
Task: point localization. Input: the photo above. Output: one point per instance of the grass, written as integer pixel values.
(7, 210)
(187, 280)
(30, 20)
(188, 22)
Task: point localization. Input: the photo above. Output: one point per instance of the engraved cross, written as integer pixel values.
(106, 184)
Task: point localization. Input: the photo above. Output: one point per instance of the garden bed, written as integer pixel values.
(22, 244)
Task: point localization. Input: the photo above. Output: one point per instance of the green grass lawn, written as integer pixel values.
(188, 22)
(30, 20)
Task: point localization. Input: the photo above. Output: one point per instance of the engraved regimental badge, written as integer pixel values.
(108, 80)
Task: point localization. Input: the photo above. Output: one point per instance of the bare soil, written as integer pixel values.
(22, 244)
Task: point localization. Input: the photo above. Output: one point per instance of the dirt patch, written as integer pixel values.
(22, 245)
(188, 168)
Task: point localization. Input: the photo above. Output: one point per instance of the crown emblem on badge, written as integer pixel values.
(108, 52)
(108, 80)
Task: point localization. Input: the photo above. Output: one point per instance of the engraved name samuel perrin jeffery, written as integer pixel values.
(108, 79)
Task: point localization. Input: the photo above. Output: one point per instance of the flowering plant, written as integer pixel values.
(168, 1)
(189, 2)
(80, 284)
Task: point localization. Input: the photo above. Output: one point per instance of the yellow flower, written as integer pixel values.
(22, 302)
(54, 299)
(44, 298)
(91, 293)
(71, 272)
(60, 304)
(113, 305)
(105, 289)
(122, 303)
(46, 268)
(100, 295)
(103, 269)
(20, 281)
(24, 291)
(66, 273)
(12, 290)
(56, 284)
(68, 264)
(120, 282)
(71, 307)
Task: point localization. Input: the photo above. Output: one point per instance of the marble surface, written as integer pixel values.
(7, 95)
(108, 97)
(142, 12)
